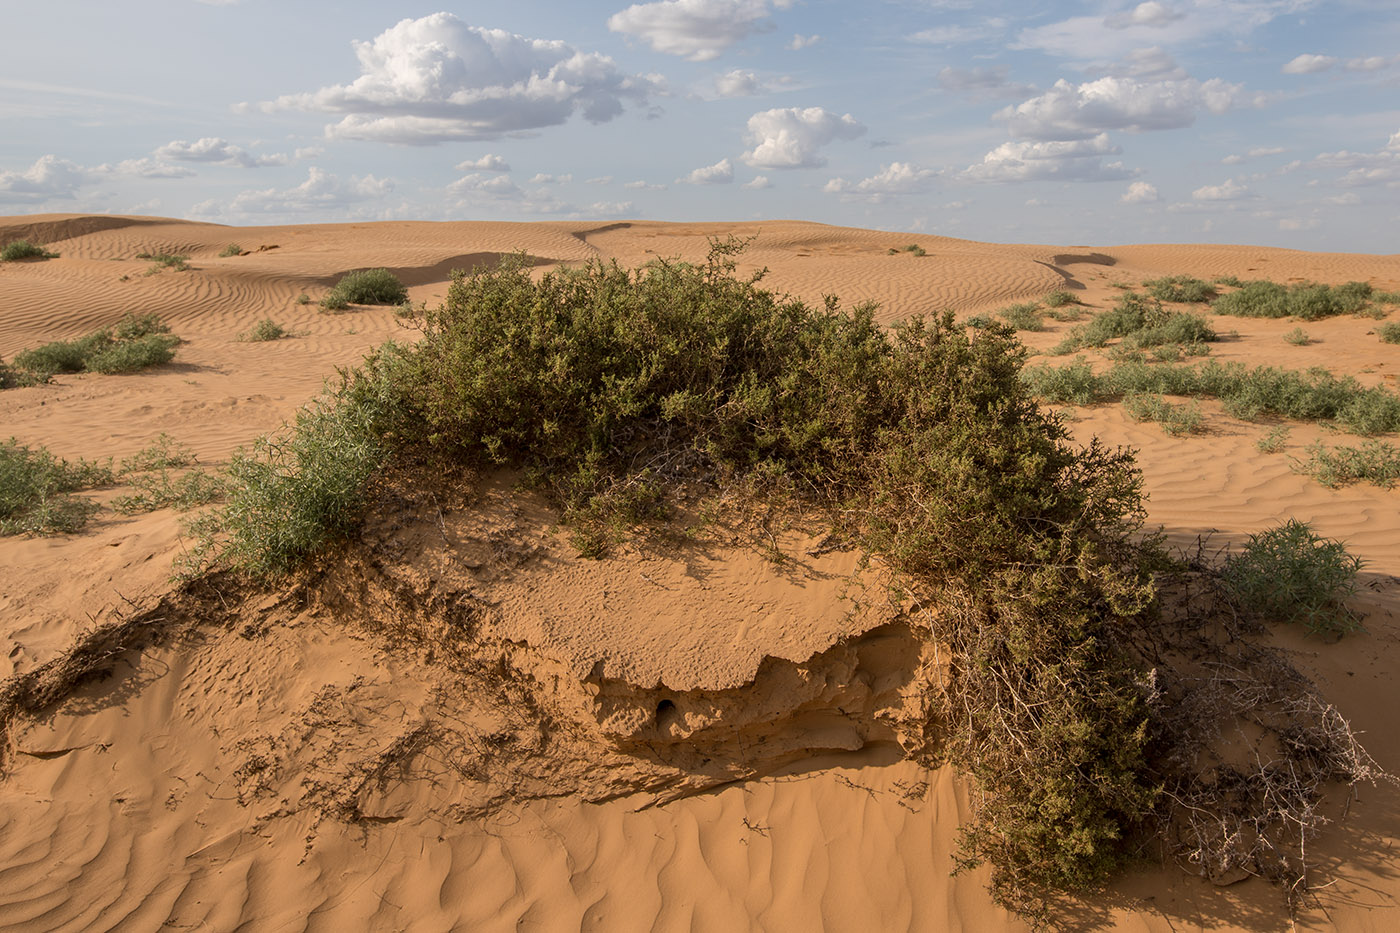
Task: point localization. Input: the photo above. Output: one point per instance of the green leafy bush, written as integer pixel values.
(1060, 298)
(1304, 300)
(129, 356)
(36, 490)
(1180, 288)
(233, 249)
(367, 287)
(135, 342)
(1374, 462)
(159, 261)
(265, 330)
(1297, 337)
(1291, 574)
(16, 250)
(1274, 441)
(1173, 419)
(162, 490)
(1141, 323)
(1025, 316)
(162, 453)
(1389, 333)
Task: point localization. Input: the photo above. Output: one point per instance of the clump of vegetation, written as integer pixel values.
(1060, 298)
(162, 454)
(1291, 574)
(1374, 462)
(1025, 316)
(1297, 337)
(613, 389)
(366, 287)
(1173, 419)
(1274, 441)
(16, 250)
(913, 248)
(1140, 323)
(1180, 289)
(163, 490)
(233, 249)
(1389, 333)
(159, 261)
(1303, 300)
(1233, 281)
(265, 330)
(136, 342)
(1314, 395)
(36, 490)
(303, 299)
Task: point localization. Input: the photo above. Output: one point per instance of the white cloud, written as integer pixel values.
(599, 180)
(321, 192)
(308, 152)
(982, 82)
(895, 178)
(790, 137)
(215, 150)
(145, 168)
(1345, 200)
(1073, 160)
(1231, 190)
(1309, 64)
(545, 179)
(1372, 63)
(610, 208)
(698, 30)
(477, 185)
(959, 35)
(1151, 14)
(1151, 63)
(1140, 192)
(721, 173)
(48, 178)
(758, 183)
(800, 42)
(1082, 111)
(428, 80)
(1257, 152)
(737, 83)
(1294, 223)
(487, 163)
(640, 185)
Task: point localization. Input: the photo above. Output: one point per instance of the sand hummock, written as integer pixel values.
(461, 724)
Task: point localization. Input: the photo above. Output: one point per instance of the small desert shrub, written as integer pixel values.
(1059, 298)
(1386, 298)
(1273, 442)
(264, 330)
(1233, 281)
(1173, 419)
(23, 249)
(303, 299)
(368, 287)
(135, 342)
(129, 356)
(334, 301)
(162, 489)
(1389, 333)
(134, 326)
(63, 356)
(162, 454)
(1297, 337)
(1074, 384)
(1374, 462)
(1026, 316)
(161, 261)
(1141, 323)
(914, 248)
(36, 490)
(1291, 574)
(1303, 300)
(1180, 288)
(979, 321)
(233, 249)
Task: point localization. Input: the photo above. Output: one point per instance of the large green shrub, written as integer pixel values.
(1304, 300)
(23, 249)
(1291, 574)
(369, 287)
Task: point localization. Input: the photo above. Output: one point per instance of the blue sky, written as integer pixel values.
(1274, 122)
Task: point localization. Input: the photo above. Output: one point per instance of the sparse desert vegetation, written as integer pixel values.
(366, 287)
(263, 331)
(136, 342)
(16, 250)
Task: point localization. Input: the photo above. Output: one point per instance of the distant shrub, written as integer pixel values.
(136, 342)
(233, 249)
(913, 248)
(129, 356)
(979, 321)
(334, 301)
(1274, 441)
(162, 454)
(162, 490)
(264, 330)
(36, 490)
(1074, 384)
(1304, 300)
(367, 287)
(16, 250)
(1389, 333)
(1173, 419)
(1297, 337)
(1291, 574)
(1141, 323)
(1374, 462)
(1026, 316)
(1180, 288)
(159, 261)
(1231, 280)
(303, 299)
(134, 326)
(63, 356)
(1059, 298)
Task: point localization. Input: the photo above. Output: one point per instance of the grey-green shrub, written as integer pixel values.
(1180, 288)
(370, 287)
(16, 250)
(1173, 419)
(1291, 574)
(265, 330)
(1374, 462)
(1305, 300)
(36, 490)
(1025, 316)
(1389, 333)
(1141, 323)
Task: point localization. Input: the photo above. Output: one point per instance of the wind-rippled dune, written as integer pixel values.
(264, 766)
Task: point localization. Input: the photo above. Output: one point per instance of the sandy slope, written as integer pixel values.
(206, 784)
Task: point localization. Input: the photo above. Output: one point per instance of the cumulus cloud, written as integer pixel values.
(737, 83)
(1309, 64)
(1140, 192)
(1062, 160)
(1081, 111)
(640, 185)
(1255, 153)
(800, 42)
(1372, 63)
(487, 163)
(1363, 168)
(546, 179)
(698, 30)
(1231, 190)
(49, 178)
(1151, 14)
(322, 192)
(1151, 63)
(790, 137)
(894, 179)
(721, 173)
(144, 168)
(215, 150)
(758, 183)
(429, 80)
(1183, 23)
(477, 185)
(982, 82)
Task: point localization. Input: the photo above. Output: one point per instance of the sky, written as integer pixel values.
(1269, 122)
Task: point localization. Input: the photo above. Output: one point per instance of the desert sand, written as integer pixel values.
(718, 752)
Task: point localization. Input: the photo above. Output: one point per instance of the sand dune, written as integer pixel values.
(208, 783)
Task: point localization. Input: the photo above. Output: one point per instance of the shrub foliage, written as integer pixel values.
(138, 341)
(1292, 574)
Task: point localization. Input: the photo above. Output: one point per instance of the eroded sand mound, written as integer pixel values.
(459, 724)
